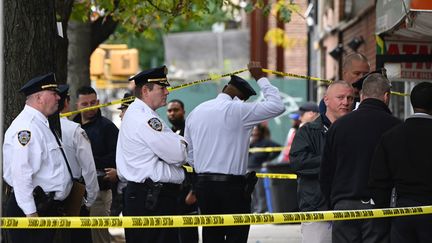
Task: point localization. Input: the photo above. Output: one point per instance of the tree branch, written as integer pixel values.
(159, 9)
(102, 28)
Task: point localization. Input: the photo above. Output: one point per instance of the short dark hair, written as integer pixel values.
(85, 90)
(375, 86)
(177, 101)
(264, 131)
(421, 96)
(62, 101)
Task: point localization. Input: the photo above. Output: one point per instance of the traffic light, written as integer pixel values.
(124, 62)
(97, 60)
(113, 62)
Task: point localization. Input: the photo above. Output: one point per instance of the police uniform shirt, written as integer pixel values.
(148, 148)
(32, 157)
(218, 131)
(78, 151)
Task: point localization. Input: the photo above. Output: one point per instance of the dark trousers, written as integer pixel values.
(188, 235)
(82, 235)
(411, 229)
(364, 230)
(217, 197)
(134, 205)
(28, 235)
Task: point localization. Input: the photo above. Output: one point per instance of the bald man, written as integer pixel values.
(305, 158)
(355, 66)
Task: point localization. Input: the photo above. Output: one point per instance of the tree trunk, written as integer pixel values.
(30, 33)
(78, 57)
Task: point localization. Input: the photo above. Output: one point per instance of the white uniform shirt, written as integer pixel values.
(218, 131)
(148, 148)
(32, 157)
(79, 154)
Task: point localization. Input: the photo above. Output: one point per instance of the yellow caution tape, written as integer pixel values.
(188, 168)
(276, 176)
(128, 99)
(265, 149)
(316, 79)
(213, 77)
(261, 175)
(399, 93)
(207, 220)
(296, 75)
(131, 98)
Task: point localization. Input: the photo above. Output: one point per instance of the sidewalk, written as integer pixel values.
(286, 233)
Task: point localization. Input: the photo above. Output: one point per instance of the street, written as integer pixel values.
(268, 233)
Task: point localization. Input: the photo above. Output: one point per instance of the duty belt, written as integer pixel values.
(221, 177)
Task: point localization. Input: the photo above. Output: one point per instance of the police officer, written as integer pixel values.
(33, 163)
(117, 203)
(124, 105)
(78, 151)
(218, 132)
(150, 157)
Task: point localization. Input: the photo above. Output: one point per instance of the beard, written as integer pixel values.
(176, 122)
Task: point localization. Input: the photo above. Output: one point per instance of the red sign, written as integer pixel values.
(412, 70)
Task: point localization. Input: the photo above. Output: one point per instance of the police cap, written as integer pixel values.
(242, 85)
(154, 75)
(308, 106)
(63, 90)
(125, 104)
(40, 83)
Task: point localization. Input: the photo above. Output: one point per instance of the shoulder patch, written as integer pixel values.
(84, 134)
(24, 137)
(156, 124)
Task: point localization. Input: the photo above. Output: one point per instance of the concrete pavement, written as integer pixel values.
(286, 233)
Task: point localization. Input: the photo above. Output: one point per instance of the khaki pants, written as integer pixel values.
(101, 207)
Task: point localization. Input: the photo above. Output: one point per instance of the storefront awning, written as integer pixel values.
(408, 19)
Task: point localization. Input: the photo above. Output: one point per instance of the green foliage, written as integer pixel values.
(267, 9)
(249, 7)
(142, 22)
(81, 11)
(284, 14)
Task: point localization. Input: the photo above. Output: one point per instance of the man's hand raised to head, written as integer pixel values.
(256, 70)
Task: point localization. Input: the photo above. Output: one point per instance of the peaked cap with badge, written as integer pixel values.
(154, 75)
(242, 85)
(63, 90)
(40, 83)
(126, 104)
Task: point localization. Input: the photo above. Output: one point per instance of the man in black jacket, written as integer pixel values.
(402, 160)
(305, 158)
(347, 154)
(102, 134)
